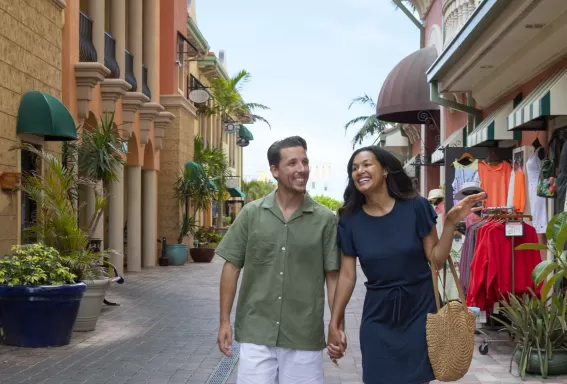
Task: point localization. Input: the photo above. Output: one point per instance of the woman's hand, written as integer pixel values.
(337, 343)
(465, 207)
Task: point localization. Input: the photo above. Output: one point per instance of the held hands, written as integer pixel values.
(337, 343)
(465, 207)
(224, 339)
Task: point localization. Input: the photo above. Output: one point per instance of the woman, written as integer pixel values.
(392, 231)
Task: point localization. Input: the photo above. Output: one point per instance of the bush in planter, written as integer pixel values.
(539, 330)
(38, 301)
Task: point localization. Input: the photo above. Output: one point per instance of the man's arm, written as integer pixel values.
(332, 279)
(332, 260)
(233, 249)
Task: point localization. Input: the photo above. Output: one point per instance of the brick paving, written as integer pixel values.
(165, 332)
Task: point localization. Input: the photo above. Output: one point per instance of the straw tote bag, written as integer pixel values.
(450, 333)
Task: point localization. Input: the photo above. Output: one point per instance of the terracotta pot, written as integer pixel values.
(202, 255)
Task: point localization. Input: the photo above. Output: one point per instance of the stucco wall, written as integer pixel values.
(30, 59)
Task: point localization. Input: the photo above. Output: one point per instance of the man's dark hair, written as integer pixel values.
(274, 152)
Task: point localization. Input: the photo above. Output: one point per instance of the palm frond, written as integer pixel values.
(363, 100)
(356, 120)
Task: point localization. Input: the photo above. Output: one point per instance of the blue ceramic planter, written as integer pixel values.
(42, 316)
(177, 254)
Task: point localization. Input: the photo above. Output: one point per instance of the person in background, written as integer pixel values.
(391, 229)
(286, 244)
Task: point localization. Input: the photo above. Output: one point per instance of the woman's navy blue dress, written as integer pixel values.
(399, 290)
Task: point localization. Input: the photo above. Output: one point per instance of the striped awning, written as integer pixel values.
(456, 139)
(494, 127)
(548, 99)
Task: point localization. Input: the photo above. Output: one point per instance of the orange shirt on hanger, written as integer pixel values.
(519, 200)
(495, 181)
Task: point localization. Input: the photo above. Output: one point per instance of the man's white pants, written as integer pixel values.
(259, 364)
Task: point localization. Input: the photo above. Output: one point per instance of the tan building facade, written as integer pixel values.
(31, 45)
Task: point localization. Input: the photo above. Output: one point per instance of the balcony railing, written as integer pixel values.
(145, 88)
(87, 51)
(110, 56)
(455, 15)
(129, 71)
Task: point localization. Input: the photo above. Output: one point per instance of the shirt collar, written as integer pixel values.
(270, 202)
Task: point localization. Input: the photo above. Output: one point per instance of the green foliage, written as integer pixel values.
(328, 202)
(551, 272)
(228, 102)
(255, 189)
(371, 125)
(208, 235)
(538, 325)
(34, 265)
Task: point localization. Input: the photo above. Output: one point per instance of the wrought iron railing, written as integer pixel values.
(110, 56)
(145, 88)
(87, 50)
(129, 71)
(193, 84)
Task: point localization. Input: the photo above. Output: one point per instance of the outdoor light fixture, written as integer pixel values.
(535, 26)
(242, 142)
(199, 96)
(230, 127)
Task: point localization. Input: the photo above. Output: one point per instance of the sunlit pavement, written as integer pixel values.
(164, 331)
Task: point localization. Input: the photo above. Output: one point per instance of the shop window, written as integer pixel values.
(180, 64)
(28, 210)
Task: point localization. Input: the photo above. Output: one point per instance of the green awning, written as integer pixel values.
(235, 192)
(245, 132)
(194, 171)
(43, 115)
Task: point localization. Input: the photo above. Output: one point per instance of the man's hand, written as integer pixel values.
(337, 343)
(225, 339)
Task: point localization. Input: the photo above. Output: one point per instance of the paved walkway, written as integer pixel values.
(165, 332)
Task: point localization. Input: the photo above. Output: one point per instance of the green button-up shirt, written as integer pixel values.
(282, 293)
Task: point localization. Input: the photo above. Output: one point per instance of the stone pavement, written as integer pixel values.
(165, 332)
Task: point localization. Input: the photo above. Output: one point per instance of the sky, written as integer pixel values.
(308, 60)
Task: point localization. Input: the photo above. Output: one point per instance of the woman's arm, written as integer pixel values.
(438, 249)
(343, 293)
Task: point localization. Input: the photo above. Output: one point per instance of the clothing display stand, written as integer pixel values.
(513, 227)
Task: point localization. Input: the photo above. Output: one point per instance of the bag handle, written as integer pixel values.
(455, 277)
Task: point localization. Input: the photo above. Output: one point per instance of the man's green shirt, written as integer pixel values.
(282, 294)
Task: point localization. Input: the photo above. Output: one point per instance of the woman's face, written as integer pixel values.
(367, 173)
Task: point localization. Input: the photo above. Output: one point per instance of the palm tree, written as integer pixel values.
(371, 124)
(216, 167)
(257, 189)
(228, 103)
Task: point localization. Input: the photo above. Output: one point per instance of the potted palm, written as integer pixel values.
(39, 299)
(539, 330)
(539, 323)
(229, 104)
(193, 191)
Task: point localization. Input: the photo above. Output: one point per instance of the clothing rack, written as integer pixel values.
(506, 213)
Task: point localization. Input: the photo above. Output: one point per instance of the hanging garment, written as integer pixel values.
(491, 273)
(547, 183)
(509, 201)
(464, 174)
(519, 199)
(561, 180)
(495, 180)
(538, 207)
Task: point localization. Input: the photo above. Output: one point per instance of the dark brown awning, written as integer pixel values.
(405, 93)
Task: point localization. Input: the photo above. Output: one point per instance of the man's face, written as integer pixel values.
(292, 173)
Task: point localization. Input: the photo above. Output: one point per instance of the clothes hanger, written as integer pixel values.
(465, 159)
(493, 159)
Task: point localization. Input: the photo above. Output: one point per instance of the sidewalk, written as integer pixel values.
(164, 331)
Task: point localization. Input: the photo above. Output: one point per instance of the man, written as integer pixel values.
(286, 243)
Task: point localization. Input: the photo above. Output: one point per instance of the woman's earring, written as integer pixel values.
(385, 175)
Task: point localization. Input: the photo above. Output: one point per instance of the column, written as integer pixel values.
(118, 31)
(96, 14)
(116, 222)
(151, 10)
(149, 196)
(135, 36)
(134, 218)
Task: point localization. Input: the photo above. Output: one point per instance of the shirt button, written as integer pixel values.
(277, 322)
(283, 248)
(279, 298)
(281, 273)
